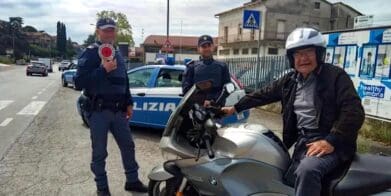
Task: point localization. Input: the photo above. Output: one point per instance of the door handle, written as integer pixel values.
(140, 94)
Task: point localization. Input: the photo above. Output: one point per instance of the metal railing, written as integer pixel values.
(245, 70)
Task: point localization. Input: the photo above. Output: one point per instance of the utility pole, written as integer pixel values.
(168, 19)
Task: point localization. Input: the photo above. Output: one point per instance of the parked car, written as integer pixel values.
(64, 65)
(48, 62)
(157, 91)
(68, 76)
(36, 68)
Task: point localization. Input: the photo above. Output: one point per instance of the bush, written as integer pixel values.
(6, 60)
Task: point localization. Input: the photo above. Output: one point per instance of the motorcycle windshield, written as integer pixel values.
(183, 108)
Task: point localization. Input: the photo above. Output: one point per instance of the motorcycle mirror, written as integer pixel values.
(204, 85)
(229, 87)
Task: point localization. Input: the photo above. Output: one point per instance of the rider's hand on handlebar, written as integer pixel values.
(207, 103)
(228, 110)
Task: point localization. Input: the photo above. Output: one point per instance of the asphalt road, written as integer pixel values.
(21, 99)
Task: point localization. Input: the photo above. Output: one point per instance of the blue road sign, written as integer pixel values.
(251, 19)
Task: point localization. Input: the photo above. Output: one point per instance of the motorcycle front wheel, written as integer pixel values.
(168, 188)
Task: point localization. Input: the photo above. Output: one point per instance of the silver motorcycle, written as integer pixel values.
(244, 159)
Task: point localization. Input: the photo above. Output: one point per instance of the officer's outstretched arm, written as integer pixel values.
(89, 72)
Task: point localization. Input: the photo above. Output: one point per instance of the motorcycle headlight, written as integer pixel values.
(169, 156)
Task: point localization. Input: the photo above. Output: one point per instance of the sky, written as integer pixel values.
(147, 17)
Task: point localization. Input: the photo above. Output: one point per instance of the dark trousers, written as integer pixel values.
(309, 171)
(100, 124)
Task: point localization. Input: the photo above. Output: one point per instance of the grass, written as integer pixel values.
(5, 60)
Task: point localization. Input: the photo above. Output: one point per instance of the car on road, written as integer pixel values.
(157, 91)
(36, 68)
(64, 65)
(68, 76)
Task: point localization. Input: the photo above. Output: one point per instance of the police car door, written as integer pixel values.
(139, 83)
(164, 97)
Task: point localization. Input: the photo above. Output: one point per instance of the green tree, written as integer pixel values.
(29, 29)
(124, 29)
(70, 50)
(90, 39)
(61, 39)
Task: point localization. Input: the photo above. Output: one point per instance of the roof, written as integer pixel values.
(160, 66)
(349, 7)
(255, 2)
(176, 40)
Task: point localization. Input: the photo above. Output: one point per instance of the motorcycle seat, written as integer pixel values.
(366, 174)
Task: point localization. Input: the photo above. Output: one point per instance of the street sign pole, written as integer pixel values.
(258, 59)
(252, 20)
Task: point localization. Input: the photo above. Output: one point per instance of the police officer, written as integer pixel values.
(206, 69)
(105, 83)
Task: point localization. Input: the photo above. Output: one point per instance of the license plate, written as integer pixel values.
(240, 116)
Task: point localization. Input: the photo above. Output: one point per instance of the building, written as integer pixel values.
(183, 47)
(41, 39)
(278, 19)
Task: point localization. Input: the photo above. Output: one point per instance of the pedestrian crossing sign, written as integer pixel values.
(251, 19)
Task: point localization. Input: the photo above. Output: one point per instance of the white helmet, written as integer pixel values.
(303, 38)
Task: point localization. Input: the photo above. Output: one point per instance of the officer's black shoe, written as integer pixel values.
(136, 187)
(103, 192)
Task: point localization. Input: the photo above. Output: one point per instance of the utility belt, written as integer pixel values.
(101, 104)
(90, 103)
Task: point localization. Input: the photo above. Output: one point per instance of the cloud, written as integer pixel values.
(187, 17)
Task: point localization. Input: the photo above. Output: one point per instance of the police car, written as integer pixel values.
(157, 90)
(68, 76)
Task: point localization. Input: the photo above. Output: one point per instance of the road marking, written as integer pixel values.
(35, 97)
(32, 108)
(40, 92)
(6, 122)
(5, 103)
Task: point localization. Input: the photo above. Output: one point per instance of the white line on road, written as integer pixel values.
(6, 122)
(5, 103)
(40, 92)
(35, 97)
(32, 108)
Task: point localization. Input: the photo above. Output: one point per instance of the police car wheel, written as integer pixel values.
(64, 83)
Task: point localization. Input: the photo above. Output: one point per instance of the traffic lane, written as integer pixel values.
(24, 98)
(52, 156)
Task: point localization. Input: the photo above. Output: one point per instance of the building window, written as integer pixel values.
(347, 21)
(317, 5)
(236, 51)
(272, 51)
(240, 29)
(252, 35)
(280, 29)
(225, 34)
(224, 52)
(245, 51)
(254, 50)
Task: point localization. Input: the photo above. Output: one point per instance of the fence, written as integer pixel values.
(245, 69)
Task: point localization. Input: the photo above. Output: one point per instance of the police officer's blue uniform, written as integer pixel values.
(206, 69)
(110, 96)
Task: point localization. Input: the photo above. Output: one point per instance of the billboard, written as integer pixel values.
(365, 54)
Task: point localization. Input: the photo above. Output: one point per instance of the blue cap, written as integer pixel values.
(104, 23)
(205, 39)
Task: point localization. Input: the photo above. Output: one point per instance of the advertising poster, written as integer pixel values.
(368, 61)
(329, 55)
(351, 60)
(339, 56)
(383, 61)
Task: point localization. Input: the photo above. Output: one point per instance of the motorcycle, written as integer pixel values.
(204, 158)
